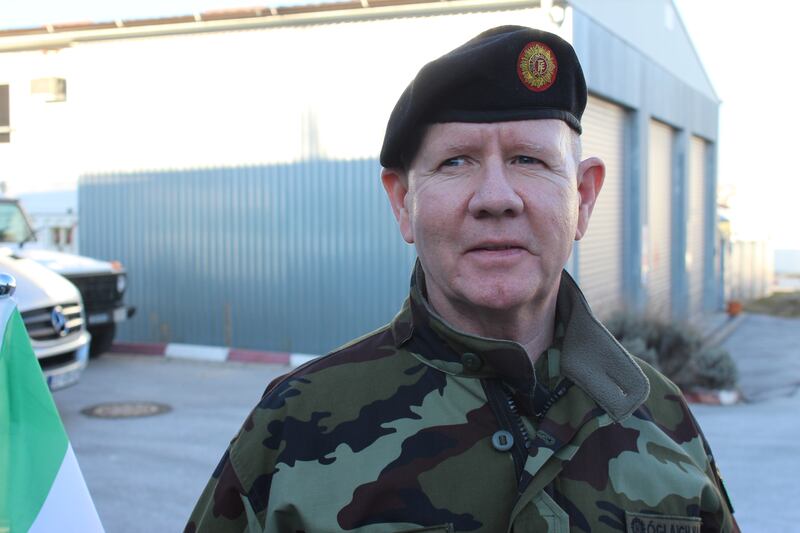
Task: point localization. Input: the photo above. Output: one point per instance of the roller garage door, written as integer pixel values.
(695, 243)
(600, 251)
(659, 220)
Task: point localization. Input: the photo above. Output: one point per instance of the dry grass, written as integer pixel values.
(786, 304)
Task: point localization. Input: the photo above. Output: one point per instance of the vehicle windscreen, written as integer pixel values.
(13, 226)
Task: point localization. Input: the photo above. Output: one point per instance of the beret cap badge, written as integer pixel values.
(503, 74)
(537, 66)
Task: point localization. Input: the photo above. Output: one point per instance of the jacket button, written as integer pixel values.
(471, 362)
(502, 440)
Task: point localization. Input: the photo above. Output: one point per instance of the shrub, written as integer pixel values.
(715, 369)
(676, 350)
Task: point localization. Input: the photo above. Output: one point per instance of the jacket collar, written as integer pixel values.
(590, 356)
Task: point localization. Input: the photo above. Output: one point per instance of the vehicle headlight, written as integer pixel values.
(121, 283)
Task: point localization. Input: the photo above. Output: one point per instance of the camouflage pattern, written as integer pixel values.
(398, 431)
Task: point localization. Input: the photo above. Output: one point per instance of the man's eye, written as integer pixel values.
(454, 162)
(527, 160)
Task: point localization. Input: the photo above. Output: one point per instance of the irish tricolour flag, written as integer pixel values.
(41, 486)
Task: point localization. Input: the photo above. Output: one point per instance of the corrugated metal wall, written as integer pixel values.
(695, 225)
(659, 219)
(299, 257)
(249, 256)
(600, 251)
(751, 269)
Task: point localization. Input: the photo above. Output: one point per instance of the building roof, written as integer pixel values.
(652, 26)
(244, 18)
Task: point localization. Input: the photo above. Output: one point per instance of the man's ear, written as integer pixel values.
(395, 182)
(591, 173)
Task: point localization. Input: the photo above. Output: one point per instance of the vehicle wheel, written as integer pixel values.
(102, 337)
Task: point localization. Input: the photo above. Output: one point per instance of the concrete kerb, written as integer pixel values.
(713, 336)
(198, 352)
(714, 397)
(716, 335)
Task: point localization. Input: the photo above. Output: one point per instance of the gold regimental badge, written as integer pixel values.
(537, 66)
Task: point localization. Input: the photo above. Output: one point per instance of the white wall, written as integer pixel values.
(243, 97)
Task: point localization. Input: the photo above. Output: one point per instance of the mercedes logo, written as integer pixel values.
(58, 320)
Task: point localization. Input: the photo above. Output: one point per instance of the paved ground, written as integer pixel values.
(767, 353)
(756, 443)
(756, 447)
(145, 474)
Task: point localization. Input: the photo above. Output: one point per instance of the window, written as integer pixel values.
(50, 89)
(13, 226)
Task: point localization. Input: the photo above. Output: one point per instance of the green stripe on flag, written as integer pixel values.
(32, 439)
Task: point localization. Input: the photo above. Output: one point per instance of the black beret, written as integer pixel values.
(506, 73)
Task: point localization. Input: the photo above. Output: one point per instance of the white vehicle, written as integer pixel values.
(102, 284)
(52, 310)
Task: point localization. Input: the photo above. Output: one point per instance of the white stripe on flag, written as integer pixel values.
(68, 507)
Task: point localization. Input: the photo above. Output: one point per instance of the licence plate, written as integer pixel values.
(62, 380)
(120, 314)
(99, 318)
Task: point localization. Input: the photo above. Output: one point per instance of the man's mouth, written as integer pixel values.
(498, 247)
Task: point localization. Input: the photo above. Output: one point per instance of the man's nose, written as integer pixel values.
(494, 195)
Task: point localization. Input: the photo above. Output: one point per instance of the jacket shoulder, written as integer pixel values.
(350, 357)
(660, 385)
(289, 425)
(667, 409)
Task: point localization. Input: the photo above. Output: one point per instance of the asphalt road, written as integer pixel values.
(145, 474)
(756, 443)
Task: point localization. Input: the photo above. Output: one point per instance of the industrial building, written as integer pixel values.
(229, 159)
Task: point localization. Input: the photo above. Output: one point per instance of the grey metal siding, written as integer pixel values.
(659, 220)
(750, 269)
(617, 71)
(601, 250)
(679, 214)
(635, 209)
(298, 257)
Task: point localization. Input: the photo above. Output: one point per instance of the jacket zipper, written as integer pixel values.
(505, 409)
(517, 418)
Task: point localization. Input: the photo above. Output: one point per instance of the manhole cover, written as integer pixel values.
(126, 409)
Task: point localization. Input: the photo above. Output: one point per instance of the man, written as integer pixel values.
(494, 401)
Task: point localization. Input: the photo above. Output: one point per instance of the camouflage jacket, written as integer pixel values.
(418, 427)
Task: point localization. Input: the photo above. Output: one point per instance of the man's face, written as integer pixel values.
(493, 209)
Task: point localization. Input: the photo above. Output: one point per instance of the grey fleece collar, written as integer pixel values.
(594, 360)
(590, 356)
